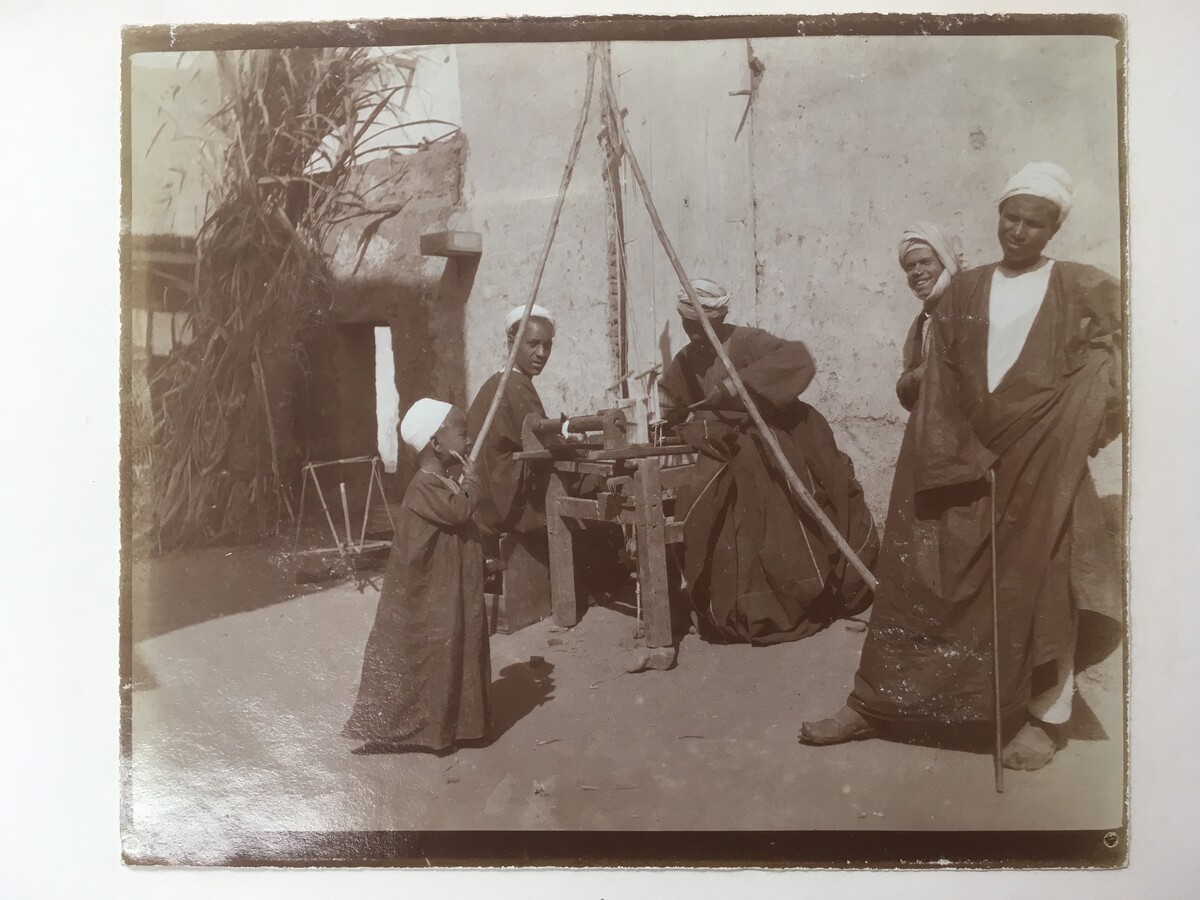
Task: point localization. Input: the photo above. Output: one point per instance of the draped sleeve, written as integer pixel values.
(435, 501)
(948, 450)
(674, 394)
(775, 371)
(1101, 332)
(506, 482)
(909, 384)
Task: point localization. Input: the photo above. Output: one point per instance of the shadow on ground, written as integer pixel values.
(1099, 637)
(520, 689)
(187, 588)
(1085, 724)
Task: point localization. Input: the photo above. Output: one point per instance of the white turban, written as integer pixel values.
(515, 314)
(1046, 180)
(422, 421)
(947, 250)
(714, 300)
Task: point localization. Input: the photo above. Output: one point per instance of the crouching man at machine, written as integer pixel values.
(757, 566)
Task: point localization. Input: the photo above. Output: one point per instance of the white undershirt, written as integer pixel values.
(1015, 301)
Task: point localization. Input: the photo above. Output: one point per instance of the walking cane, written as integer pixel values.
(998, 749)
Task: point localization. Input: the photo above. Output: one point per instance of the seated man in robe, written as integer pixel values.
(756, 565)
(1023, 383)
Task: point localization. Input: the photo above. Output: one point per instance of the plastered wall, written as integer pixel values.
(849, 139)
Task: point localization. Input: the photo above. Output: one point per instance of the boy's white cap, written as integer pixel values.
(422, 421)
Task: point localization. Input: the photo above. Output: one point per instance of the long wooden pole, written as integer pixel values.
(300, 515)
(481, 438)
(325, 506)
(998, 743)
(346, 514)
(362, 537)
(768, 435)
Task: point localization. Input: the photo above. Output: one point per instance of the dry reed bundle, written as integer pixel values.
(262, 279)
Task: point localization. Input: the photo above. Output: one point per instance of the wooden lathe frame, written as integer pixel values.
(642, 486)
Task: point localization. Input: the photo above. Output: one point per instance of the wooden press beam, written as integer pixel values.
(606, 509)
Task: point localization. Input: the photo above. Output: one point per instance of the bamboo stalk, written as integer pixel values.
(382, 493)
(300, 512)
(362, 538)
(325, 507)
(346, 515)
(341, 462)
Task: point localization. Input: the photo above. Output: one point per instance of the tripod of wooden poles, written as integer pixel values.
(614, 115)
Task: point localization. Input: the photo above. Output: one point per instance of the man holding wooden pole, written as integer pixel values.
(758, 566)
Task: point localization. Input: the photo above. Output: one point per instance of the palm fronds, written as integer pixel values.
(278, 162)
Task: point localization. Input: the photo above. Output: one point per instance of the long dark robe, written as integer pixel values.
(514, 493)
(426, 668)
(758, 567)
(927, 656)
(909, 384)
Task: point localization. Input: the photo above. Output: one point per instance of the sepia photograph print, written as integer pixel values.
(625, 442)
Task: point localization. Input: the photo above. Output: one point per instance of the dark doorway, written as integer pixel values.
(338, 418)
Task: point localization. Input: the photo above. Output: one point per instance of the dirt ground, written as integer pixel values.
(243, 680)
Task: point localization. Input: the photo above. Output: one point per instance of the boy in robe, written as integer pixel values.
(426, 667)
(1023, 384)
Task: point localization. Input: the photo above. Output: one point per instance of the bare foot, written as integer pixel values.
(1033, 747)
(844, 725)
(660, 658)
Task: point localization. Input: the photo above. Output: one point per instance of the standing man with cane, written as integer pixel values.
(1023, 385)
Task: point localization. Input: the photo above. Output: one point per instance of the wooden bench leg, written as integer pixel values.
(562, 558)
(652, 555)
